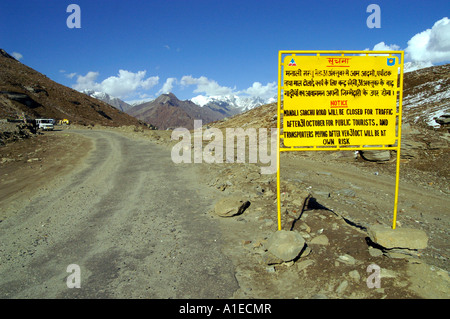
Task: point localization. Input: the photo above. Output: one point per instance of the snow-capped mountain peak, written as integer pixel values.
(105, 97)
(416, 65)
(232, 101)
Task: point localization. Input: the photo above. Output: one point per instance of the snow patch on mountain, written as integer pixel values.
(234, 101)
(416, 65)
(105, 97)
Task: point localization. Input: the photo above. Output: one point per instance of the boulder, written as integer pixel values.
(286, 245)
(376, 156)
(231, 206)
(389, 238)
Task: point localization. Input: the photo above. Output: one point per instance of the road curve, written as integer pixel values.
(133, 222)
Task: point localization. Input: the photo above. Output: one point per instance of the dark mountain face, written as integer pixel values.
(24, 90)
(167, 111)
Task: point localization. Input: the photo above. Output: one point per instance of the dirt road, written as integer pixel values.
(133, 222)
(140, 226)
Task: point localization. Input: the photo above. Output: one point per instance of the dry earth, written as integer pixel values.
(140, 226)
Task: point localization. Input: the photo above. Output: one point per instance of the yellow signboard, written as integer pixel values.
(339, 100)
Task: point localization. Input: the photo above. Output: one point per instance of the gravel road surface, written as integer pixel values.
(132, 221)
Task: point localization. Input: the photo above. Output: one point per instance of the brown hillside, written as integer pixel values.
(24, 90)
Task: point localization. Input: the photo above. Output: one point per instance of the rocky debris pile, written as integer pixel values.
(417, 141)
(320, 250)
(11, 132)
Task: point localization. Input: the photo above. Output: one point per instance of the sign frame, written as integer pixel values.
(398, 114)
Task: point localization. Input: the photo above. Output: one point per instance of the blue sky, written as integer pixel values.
(138, 49)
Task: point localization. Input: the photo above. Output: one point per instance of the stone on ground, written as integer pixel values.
(389, 238)
(231, 206)
(286, 245)
(376, 156)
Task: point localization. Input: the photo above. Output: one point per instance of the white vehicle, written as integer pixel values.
(45, 124)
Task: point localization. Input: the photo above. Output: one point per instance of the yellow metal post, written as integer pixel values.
(399, 141)
(278, 141)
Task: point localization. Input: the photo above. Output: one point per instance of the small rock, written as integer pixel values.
(320, 240)
(374, 252)
(386, 273)
(305, 227)
(347, 259)
(340, 289)
(304, 264)
(354, 274)
(270, 269)
(231, 206)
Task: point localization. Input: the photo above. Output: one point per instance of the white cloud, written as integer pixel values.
(432, 45)
(124, 84)
(427, 47)
(382, 47)
(263, 91)
(167, 86)
(211, 88)
(87, 82)
(70, 75)
(17, 55)
(205, 85)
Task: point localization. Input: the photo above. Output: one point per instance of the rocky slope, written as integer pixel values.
(24, 91)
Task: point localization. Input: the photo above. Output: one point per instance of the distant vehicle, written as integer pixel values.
(45, 124)
(63, 122)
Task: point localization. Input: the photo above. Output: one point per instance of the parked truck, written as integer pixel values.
(45, 124)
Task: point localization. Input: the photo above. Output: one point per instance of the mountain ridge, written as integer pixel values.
(167, 111)
(105, 97)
